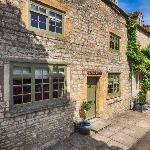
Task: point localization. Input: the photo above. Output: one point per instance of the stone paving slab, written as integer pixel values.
(128, 131)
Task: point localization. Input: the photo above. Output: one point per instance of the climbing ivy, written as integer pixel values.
(139, 60)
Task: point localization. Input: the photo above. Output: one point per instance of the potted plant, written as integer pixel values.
(85, 125)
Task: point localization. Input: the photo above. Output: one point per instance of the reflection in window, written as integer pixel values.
(46, 19)
(113, 83)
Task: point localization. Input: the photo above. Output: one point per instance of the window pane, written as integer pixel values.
(61, 80)
(26, 81)
(42, 25)
(61, 93)
(34, 23)
(17, 81)
(45, 95)
(55, 86)
(52, 28)
(42, 10)
(61, 86)
(26, 89)
(46, 87)
(51, 22)
(38, 96)
(26, 98)
(55, 80)
(42, 18)
(52, 15)
(45, 80)
(17, 90)
(58, 18)
(38, 88)
(26, 70)
(17, 70)
(45, 72)
(58, 30)
(55, 94)
(37, 81)
(59, 24)
(34, 7)
(17, 99)
(38, 72)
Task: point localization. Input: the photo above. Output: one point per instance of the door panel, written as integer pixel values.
(91, 96)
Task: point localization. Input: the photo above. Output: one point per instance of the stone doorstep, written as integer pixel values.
(99, 124)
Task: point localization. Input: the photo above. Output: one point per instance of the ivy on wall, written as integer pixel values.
(139, 60)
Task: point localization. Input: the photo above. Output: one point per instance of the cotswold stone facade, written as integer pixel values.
(84, 49)
(143, 39)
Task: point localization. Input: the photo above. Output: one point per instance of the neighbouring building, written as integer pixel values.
(143, 39)
(54, 54)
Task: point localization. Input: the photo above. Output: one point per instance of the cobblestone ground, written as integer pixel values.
(127, 130)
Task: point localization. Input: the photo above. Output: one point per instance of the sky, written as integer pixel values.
(133, 5)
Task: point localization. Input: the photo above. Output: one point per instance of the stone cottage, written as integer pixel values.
(54, 54)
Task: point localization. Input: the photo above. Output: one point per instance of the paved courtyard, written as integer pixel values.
(129, 131)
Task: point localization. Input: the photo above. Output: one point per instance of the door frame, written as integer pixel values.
(97, 93)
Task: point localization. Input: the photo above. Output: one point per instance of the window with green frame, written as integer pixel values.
(114, 42)
(32, 82)
(46, 19)
(113, 84)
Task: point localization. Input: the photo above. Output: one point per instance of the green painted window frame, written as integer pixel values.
(32, 75)
(38, 30)
(114, 40)
(114, 75)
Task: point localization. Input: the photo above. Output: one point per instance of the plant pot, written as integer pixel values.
(138, 107)
(85, 127)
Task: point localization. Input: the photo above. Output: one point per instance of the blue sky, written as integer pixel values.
(133, 5)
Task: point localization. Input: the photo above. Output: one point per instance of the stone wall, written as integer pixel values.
(85, 46)
(143, 39)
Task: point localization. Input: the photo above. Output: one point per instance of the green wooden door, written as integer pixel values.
(91, 96)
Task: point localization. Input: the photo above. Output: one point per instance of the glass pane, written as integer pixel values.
(52, 15)
(61, 86)
(17, 90)
(45, 72)
(45, 80)
(34, 23)
(38, 96)
(34, 7)
(55, 80)
(26, 81)
(55, 86)
(61, 80)
(52, 28)
(37, 81)
(42, 10)
(17, 81)
(17, 99)
(42, 25)
(61, 93)
(55, 69)
(27, 98)
(55, 94)
(17, 70)
(26, 70)
(51, 22)
(26, 89)
(38, 88)
(38, 72)
(58, 30)
(42, 18)
(45, 95)
(61, 70)
(58, 18)
(34, 16)
(46, 87)
(59, 24)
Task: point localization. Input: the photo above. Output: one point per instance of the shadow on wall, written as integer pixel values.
(46, 125)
